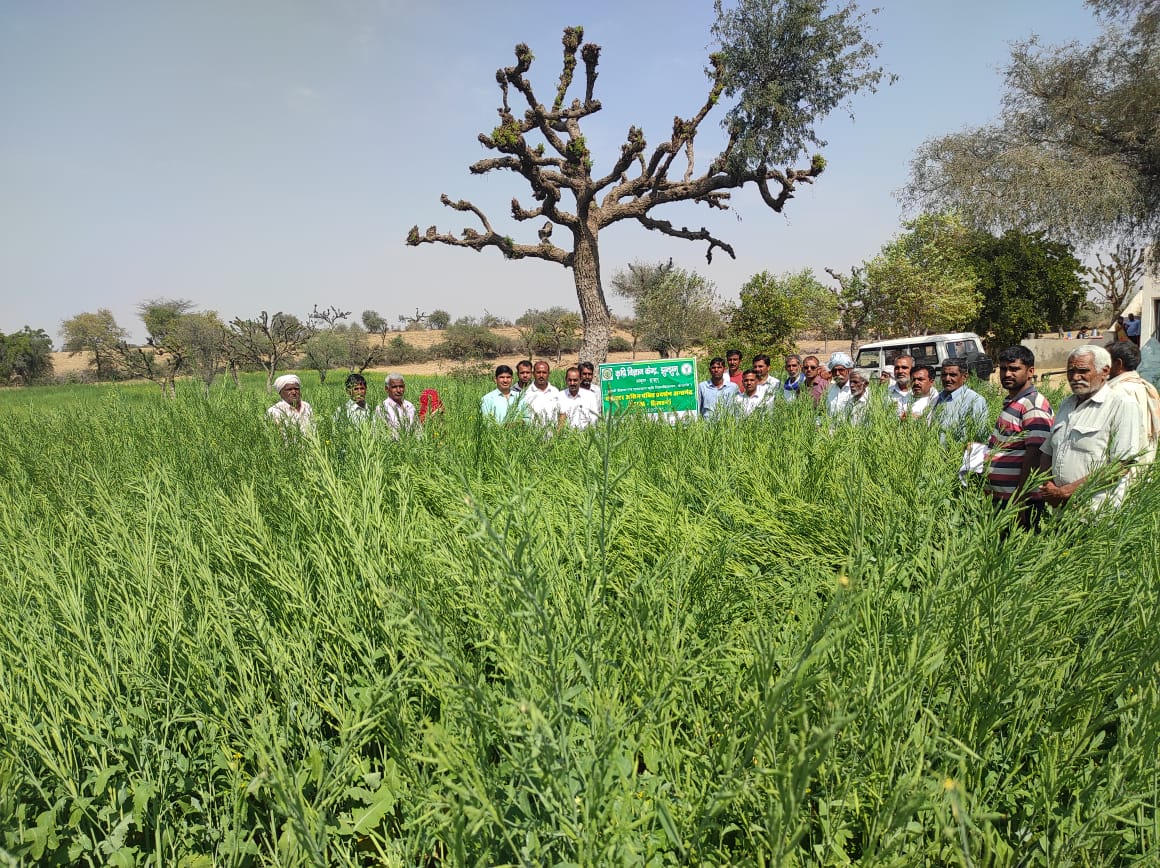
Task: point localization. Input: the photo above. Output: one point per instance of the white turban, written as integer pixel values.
(287, 380)
(841, 360)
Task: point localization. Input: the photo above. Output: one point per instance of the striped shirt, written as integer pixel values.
(1025, 421)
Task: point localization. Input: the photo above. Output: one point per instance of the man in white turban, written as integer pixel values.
(838, 395)
(291, 409)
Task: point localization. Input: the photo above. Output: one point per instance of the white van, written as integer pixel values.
(928, 350)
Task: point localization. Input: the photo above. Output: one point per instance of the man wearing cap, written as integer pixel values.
(396, 410)
(291, 409)
(838, 395)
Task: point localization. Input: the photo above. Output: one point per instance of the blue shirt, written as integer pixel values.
(495, 405)
(962, 414)
(708, 395)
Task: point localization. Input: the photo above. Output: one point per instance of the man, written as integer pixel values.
(959, 410)
(838, 395)
(355, 411)
(396, 410)
(588, 379)
(855, 408)
(813, 382)
(576, 408)
(1132, 329)
(523, 376)
(765, 383)
(1125, 381)
(498, 404)
(922, 388)
(539, 400)
(794, 378)
(1020, 431)
(291, 409)
(1096, 433)
(716, 392)
(899, 391)
(750, 399)
(733, 361)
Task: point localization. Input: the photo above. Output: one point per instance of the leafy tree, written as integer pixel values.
(179, 341)
(923, 281)
(438, 319)
(785, 66)
(324, 350)
(202, 336)
(95, 333)
(673, 308)
(25, 356)
(471, 342)
(548, 331)
(1075, 151)
(773, 309)
(375, 323)
(270, 342)
(1027, 284)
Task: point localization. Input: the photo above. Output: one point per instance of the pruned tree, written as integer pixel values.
(1117, 280)
(787, 66)
(269, 341)
(329, 316)
(856, 302)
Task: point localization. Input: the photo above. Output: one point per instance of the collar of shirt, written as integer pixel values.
(1030, 390)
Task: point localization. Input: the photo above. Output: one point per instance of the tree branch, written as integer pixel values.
(667, 228)
(488, 238)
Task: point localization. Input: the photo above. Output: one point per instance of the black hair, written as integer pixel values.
(504, 369)
(355, 380)
(1126, 353)
(1018, 353)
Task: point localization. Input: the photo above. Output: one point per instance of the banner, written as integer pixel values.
(655, 386)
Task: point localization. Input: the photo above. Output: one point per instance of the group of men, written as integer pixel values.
(526, 395)
(1100, 437)
(396, 412)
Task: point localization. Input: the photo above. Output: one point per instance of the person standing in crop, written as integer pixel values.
(838, 395)
(1124, 380)
(766, 385)
(794, 378)
(1020, 431)
(716, 392)
(396, 411)
(523, 376)
(813, 384)
(922, 386)
(1096, 433)
(733, 364)
(576, 407)
(355, 411)
(899, 391)
(540, 399)
(588, 379)
(291, 410)
(500, 403)
(750, 400)
(959, 411)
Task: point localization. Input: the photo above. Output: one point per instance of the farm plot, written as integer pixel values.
(711, 644)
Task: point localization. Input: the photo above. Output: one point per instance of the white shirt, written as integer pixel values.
(541, 404)
(747, 404)
(398, 416)
(769, 387)
(1101, 431)
(920, 406)
(579, 411)
(837, 397)
(902, 398)
(353, 413)
(284, 414)
(1131, 386)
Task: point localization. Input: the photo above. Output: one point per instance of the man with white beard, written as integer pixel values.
(1095, 437)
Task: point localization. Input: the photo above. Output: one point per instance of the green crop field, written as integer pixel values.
(758, 643)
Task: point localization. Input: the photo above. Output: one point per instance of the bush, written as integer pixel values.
(398, 352)
(617, 344)
(471, 342)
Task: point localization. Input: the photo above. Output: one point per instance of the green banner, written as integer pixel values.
(653, 386)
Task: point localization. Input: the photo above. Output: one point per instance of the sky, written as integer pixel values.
(272, 154)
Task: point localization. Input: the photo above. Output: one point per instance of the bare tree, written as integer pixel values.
(1117, 280)
(269, 341)
(783, 87)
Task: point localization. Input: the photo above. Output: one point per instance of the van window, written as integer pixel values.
(925, 354)
(867, 359)
(959, 349)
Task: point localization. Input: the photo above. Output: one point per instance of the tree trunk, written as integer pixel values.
(593, 308)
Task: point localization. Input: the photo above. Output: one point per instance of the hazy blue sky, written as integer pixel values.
(272, 154)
